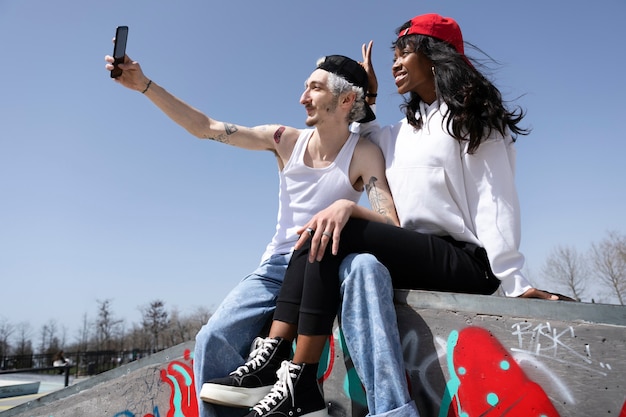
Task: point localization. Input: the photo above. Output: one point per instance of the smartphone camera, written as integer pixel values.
(119, 50)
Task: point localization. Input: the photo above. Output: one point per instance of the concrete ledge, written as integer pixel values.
(465, 355)
(486, 354)
(471, 355)
(163, 381)
(16, 388)
(514, 307)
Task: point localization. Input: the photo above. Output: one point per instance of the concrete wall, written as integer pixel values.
(468, 356)
(465, 356)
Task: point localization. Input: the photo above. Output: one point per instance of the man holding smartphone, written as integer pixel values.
(334, 96)
(119, 50)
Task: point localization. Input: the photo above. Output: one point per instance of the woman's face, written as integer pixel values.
(413, 72)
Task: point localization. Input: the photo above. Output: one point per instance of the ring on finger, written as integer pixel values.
(310, 231)
(327, 234)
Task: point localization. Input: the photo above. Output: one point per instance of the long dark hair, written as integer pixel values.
(475, 105)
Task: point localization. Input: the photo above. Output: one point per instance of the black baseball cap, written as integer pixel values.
(351, 71)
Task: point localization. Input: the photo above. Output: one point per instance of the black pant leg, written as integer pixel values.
(420, 261)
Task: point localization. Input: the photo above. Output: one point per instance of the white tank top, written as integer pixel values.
(304, 191)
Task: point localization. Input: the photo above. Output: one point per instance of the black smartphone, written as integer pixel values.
(119, 50)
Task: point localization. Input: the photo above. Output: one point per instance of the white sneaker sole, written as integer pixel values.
(233, 396)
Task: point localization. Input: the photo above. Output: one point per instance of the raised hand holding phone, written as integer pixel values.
(119, 50)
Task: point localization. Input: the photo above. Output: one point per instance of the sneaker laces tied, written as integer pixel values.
(283, 386)
(256, 345)
(258, 356)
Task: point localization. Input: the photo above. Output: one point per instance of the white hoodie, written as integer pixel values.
(440, 189)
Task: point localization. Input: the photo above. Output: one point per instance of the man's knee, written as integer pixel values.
(204, 337)
(202, 334)
(214, 331)
(360, 265)
(359, 272)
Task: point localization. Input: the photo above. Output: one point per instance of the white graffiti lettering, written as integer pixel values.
(545, 341)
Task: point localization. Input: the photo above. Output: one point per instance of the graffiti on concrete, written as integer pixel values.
(485, 379)
(178, 375)
(546, 342)
(352, 386)
(128, 413)
(327, 359)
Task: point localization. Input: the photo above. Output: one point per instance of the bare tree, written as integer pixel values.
(184, 328)
(176, 331)
(121, 340)
(565, 267)
(106, 325)
(6, 329)
(154, 321)
(199, 318)
(136, 338)
(83, 335)
(24, 346)
(50, 342)
(609, 261)
(63, 337)
(44, 334)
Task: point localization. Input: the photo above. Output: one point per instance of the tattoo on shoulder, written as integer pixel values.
(278, 134)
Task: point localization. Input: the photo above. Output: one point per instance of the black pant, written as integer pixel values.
(309, 295)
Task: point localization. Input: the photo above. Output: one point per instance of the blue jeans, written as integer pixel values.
(223, 343)
(367, 317)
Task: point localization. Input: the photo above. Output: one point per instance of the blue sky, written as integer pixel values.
(103, 197)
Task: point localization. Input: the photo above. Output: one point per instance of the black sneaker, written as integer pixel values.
(252, 381)
(295, 394)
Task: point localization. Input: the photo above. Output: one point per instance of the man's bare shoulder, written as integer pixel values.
(280, 133)
(366, 147)
(283, 140)
(286, 133)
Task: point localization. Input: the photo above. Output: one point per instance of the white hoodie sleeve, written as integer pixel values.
(494, 206)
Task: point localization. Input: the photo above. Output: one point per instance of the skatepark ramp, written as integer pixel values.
(465, 356)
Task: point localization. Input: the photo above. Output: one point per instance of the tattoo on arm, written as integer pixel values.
(278, 134)
(376, 199)
(229, 129)
(374, 196)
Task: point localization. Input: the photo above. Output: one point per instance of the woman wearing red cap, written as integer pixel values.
(450, 166)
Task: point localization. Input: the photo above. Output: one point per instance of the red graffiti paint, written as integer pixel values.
(489, 382)
(156, 413)
(179, 376)
(331, 359)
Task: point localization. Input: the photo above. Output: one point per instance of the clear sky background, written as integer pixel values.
(103, 197)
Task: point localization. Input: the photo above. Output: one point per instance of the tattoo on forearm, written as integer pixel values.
(229, 129)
